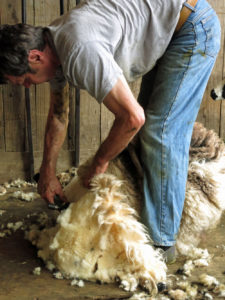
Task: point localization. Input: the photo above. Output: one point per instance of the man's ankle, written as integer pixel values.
(169, 253)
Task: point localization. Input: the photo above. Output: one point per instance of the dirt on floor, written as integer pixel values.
(18, 259)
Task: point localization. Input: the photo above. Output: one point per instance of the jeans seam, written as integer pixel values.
(206, 37)
(162, 222)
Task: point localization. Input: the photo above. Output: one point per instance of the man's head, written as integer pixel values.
(25, 56)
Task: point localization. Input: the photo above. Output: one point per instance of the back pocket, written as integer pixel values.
(211, 25)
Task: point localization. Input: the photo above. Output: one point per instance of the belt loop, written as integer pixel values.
(185, 12)
(189, 6)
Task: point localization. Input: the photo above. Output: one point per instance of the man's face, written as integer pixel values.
(43, 66)
(40, 75)
(26, 80)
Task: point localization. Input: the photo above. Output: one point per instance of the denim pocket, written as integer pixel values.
(211, 26)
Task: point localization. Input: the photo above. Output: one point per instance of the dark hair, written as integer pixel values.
(15, 43)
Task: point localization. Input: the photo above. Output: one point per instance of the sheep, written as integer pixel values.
(218, 93)
(100, 237)
(205, 197)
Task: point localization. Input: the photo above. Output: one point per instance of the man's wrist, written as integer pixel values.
(100, 162)
(47, 169)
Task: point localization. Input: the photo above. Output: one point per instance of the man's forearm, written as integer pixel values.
(56, 128)
(129, 118)
(121, 133)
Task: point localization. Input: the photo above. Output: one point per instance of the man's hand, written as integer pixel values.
(49, 186)
(93, 170)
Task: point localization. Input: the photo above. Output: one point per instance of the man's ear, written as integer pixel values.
(35, 56)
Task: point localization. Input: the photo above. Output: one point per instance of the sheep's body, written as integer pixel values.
(204, 202)
(205, 197)
(99, 237)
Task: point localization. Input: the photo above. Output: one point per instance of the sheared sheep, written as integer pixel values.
(100, 237)
(205, 197)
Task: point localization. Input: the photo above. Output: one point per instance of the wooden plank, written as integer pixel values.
(44, 12)
(210, 111)
(89, 126)
(222, 120)
(70, 4)
(71, 125)
(218, 5)
(14, 113)
(135, 87)
(16, 164)
(107, 119)
(42, 97)
(13, 165)
(10, 11)
(65, 160)
(32, 90)
(2, 123)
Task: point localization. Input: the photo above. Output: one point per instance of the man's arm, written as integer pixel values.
(129, 118)
(56, 128)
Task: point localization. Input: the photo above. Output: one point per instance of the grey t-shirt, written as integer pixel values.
(101, 40)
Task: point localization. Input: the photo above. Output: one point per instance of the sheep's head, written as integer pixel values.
(218, 93)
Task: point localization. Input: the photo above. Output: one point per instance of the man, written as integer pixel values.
(99, 45)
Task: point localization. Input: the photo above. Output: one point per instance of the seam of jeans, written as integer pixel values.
(162, 222)
(162, 190)
(206, 37)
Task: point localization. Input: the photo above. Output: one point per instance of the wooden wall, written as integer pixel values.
(212, 113)
(95, 120)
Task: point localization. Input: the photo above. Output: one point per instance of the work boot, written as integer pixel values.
(169, 253)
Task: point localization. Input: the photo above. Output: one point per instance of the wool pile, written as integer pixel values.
(99, 237)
